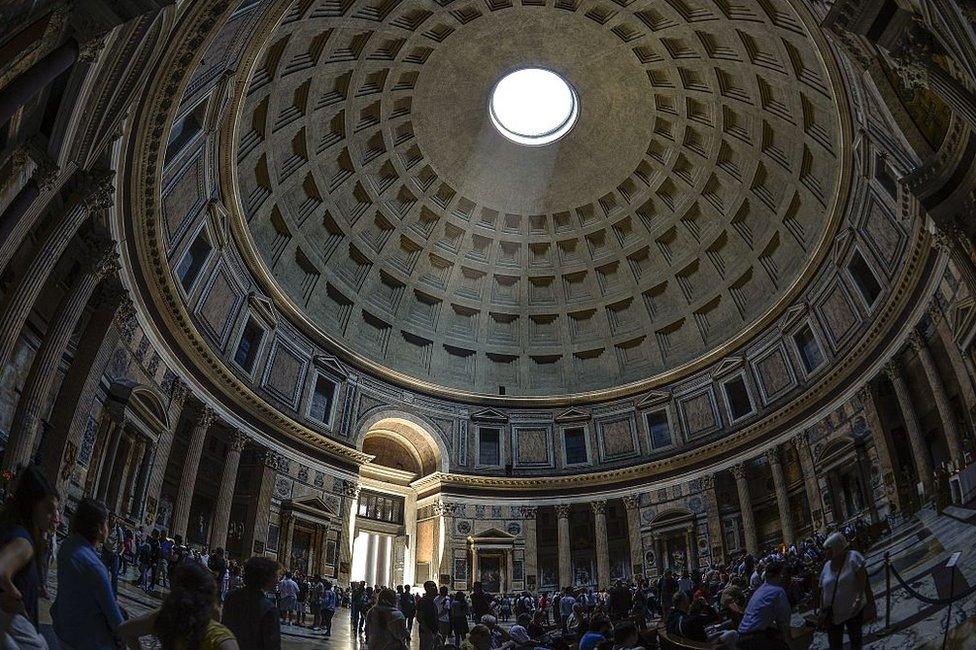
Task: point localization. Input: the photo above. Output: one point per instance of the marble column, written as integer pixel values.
(883, 446)
(43, 370)
(350, 503)
(225, 493)
(745, 507)
(133, 461)
(564, 545)
(191, 465)
(602, 545)
(262, 512)
(632, 505)
(808, 469)
(445, 513)
(107, 467)
(145, 468)
(782, 495)
(923, 465)
(286, 533)
(957, 361)
(531, 562)
(717, 546)
(70, 413)
(178, 392)
(941, 399)
(20, 301)
(36, 78)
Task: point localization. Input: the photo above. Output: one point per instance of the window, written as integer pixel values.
(883, 174)
(659, 428)
(381, 507)
(193, 260)
(247, 347)
(575, 445)
(809, 349)
(185, 129)
(738, 398)
(322, 396)
(864, 278)
(489, 447)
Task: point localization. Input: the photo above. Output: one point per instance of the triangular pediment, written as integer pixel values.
(727, 365)
(489, 415)
(330, 364)
(653, 398)
(263, 306)
(492, 533)
(573, 415)
(310, 504)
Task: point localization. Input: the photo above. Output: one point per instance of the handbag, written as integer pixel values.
(826, 615)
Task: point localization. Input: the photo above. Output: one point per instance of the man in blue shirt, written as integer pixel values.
(766, 622)
(85, 612)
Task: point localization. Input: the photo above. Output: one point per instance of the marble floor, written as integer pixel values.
(919, 550)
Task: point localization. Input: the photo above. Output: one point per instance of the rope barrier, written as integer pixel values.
(926, 599)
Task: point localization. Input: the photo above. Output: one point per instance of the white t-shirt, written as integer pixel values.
(850, 596)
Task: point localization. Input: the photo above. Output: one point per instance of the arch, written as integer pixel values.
(672, 516)
(142, 401)
(834, 450)
(412, 431)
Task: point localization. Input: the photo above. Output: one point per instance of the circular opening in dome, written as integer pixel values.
(533, 106)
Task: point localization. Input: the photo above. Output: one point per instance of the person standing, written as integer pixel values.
(407, 605)
(287, 598)
(328, 606)
(249, 613)
(315, 591)
(386, 627)
(443, 603)
(844, 592)
(26, 517)
(85, 613)
(566, 604)
(111, 550)
(427, 623)
(459, 617)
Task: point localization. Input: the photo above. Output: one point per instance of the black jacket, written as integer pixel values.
(253, 619)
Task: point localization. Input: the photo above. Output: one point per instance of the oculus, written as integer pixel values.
(533, 106)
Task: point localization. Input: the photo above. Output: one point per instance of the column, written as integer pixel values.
(632, 505)
(949, 428)
(22, 298)
(530, 566)
(864, 473)
(69, 415)
(43, 371)
(107, 465)
(286, 532)
(565, 549)
(602, 547)
(745, 507)
(714, 518)
(809, 480)
(956, 360)
(178, 392)
(883, 446)
(350, 503)
(475, 576)
(145, 468)
(191, 465)
(782, 496)
(225, 493)
(923, 465)
(262, 512)
(133, 461)
(35, 78)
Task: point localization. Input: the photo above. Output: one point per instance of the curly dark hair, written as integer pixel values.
(189, 608)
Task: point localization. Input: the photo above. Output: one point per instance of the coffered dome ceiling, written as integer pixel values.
(690, 203)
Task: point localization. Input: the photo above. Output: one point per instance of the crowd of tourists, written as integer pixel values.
(212, 603)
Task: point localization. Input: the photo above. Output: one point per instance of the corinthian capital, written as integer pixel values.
(772, 455)
(599, 507)
(738, 471)
(205, 417)
(708, 482)
(238, 440)
(893, 370)
(563, 509)
(632, 501)
(911, 52)
(96, 189)
(916, 340)
(178, 392)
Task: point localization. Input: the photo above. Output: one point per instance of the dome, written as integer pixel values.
(688, 205)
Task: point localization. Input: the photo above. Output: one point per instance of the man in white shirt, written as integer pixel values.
(442, 604)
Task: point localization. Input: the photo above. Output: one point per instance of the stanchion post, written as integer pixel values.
(887, 589)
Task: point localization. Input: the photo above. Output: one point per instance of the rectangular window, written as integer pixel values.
(809, 349)
(185, 129)
(247, 347)
(864, 278)
(381, 507)
(738, 397)
(489, 447)
(322, 396)
(883, 174)
(193, 260)
(659, 428)
(575, 445)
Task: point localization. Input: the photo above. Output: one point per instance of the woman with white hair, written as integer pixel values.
(844, 593)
